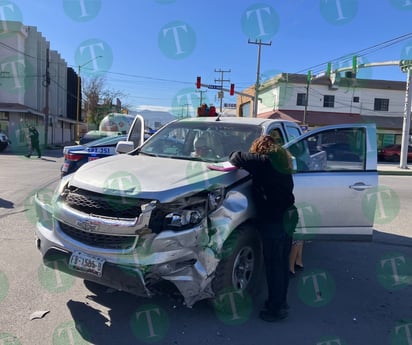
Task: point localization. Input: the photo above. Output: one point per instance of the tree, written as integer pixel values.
(98, 100)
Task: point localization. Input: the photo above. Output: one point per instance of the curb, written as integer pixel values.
(395, 173)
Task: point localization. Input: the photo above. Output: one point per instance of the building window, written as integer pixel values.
(356, 99)
(328, 101)
(301, 99)
(381, 104)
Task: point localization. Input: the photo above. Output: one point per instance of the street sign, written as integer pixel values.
(211, 86)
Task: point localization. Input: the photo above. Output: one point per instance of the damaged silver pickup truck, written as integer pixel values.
(174, 213)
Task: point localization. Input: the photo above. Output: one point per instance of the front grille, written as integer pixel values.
(98, 240)
(103, 204)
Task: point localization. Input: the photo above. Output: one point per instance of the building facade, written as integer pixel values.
(35, 88)
(345, 100)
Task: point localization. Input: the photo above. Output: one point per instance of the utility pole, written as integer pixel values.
(257, 85)
(308, 79)
(46, 83)
(221, 80)
(406, 66)
(201, 95)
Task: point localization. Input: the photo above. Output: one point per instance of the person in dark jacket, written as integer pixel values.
(276, 216)
(34, 142)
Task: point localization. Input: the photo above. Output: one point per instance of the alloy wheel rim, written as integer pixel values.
(243, 268)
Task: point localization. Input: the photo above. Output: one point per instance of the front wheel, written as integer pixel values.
(240, 266)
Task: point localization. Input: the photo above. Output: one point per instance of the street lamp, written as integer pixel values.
(78, 96)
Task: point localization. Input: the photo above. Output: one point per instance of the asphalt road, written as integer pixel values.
(348, 293)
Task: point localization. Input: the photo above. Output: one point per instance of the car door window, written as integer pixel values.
(332, 150)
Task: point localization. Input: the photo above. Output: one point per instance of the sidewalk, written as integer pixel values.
(393, 169)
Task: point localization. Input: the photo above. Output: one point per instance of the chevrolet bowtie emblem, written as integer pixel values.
(87, 225)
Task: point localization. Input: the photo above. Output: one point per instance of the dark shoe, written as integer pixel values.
(270, 316)
(292, 274)
(28, 156)
(298, 267)
(284, 306)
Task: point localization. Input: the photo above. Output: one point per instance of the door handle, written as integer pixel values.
(360, 186)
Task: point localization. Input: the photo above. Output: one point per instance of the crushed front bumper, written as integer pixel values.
(181, 258)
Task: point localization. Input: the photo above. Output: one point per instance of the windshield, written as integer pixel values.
(212, 142)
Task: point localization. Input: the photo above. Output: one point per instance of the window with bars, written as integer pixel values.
(328, 101)
(381, 104)
(301, 99)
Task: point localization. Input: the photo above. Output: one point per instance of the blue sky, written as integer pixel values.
(153, 50)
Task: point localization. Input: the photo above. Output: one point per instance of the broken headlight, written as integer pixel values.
(190, 211)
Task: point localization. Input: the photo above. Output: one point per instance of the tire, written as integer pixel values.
(396, 158)
(3, 146)
(241, 263)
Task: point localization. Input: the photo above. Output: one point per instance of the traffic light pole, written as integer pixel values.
(405, 66)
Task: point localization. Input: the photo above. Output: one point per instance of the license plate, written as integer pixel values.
(65, 167)
(86, 263)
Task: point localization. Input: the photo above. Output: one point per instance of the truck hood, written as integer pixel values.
(146, 177)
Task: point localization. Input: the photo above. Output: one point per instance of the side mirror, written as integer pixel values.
(124, 146)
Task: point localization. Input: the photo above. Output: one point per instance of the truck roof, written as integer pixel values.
(234, 119)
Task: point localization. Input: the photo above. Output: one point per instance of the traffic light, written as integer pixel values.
(198, 82)
(232, 89)
(355, 64)
(309, 76)
(405, 65)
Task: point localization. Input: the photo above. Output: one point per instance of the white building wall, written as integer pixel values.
(283, 96)
(23, 59)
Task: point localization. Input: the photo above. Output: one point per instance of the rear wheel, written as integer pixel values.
(395, 158)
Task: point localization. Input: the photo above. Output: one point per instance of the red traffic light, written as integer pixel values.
(198, 82)
(232, 89)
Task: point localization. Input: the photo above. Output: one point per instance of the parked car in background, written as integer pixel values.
(77, 155)
(392, 153)
(4, 141)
